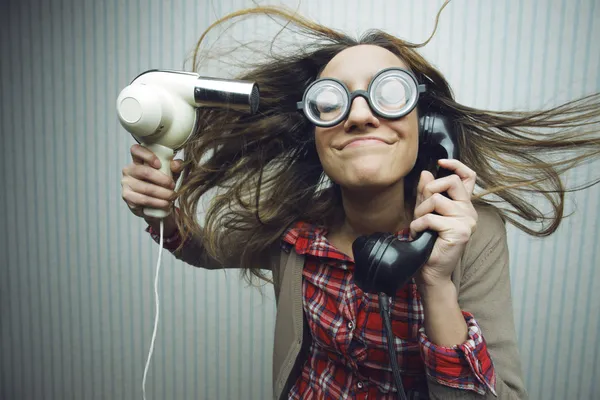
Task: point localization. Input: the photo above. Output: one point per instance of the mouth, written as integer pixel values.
(365, 141)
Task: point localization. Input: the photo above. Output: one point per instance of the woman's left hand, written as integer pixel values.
(455, 223)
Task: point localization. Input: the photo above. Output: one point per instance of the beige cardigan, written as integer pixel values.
(483, 285)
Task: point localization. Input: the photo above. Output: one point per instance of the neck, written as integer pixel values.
(380, 211)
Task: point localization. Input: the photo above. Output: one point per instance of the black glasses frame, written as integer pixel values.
(366, 94)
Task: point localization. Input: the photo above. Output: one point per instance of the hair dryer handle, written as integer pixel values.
(165, 155)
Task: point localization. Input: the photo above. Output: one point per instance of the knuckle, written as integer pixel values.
(126, 195)
(473, 226)
(465, 234)
(125, 180)
(426, 219)
(146, 173)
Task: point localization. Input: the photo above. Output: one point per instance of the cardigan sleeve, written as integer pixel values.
(192, 252)
(485, 292)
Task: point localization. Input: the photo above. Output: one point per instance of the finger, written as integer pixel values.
(451, 184)
(141, 155)
(460, 229)
(439, 204)
(466, 174)
(135, 200)
(425, 178)
(149, 174)
(176, 166)
(148, 189)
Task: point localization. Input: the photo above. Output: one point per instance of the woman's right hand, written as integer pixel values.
(143, 185)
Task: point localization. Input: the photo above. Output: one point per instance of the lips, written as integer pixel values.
(363, 141)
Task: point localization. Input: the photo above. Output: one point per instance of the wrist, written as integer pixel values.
(442, 291)
(170, 224)
(444, 322)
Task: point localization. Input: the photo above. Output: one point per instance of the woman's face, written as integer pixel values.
(348, 157)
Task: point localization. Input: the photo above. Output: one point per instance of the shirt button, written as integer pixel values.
(350, 325)
(360, 385)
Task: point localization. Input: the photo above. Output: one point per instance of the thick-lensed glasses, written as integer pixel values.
(392, 94)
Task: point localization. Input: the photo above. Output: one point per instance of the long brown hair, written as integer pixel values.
(262, 171)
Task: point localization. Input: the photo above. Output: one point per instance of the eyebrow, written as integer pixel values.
(345, 81)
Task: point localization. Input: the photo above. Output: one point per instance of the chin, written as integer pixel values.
(368, 177)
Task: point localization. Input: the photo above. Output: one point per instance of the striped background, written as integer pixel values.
(76, 271)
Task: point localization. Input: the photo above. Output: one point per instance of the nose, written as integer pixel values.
(361, 116)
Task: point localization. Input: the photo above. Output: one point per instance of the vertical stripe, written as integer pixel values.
(122, 351)
(56, 266)
(543, 262)
(514, 243)
(29, 202)
(589, 210)
(575, 304)
(21, 214)
(4, 282)
(555, 376)
(45, 31)
(107, 172)
(77, 95)
(528, 263)
(174, 330)
(137, 340)
(85, 285)
(39, 225)
(67, 258)
(77, 267)
(552, 274)
(7, 296)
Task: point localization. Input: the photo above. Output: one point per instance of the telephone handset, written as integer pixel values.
(383, 264)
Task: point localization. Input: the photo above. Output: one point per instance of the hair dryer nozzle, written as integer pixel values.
(224, 93)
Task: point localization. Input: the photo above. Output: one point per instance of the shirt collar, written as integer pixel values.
(307, 238)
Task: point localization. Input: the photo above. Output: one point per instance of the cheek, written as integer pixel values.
(322, 143)
(408, 130)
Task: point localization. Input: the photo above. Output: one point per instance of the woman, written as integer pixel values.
(296, 188)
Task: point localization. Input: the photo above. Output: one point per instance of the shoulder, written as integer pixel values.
(487, 247)
(490, 222)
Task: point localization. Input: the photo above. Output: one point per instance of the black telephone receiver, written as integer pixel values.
(382, 262)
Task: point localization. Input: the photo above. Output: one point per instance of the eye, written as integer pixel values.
(391, 94)
(328, 101)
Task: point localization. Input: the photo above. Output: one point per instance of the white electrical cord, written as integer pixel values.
(162, 227)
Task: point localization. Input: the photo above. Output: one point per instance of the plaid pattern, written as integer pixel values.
(170, 243)
(348, 355)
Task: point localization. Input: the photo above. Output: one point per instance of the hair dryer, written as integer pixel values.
(158, 108)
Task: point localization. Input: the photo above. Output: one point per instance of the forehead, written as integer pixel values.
(356, 65)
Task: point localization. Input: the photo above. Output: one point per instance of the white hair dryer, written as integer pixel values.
(158, 108)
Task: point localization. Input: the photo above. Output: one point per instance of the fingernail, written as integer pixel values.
(157, 163)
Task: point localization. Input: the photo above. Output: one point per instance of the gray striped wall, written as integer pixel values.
(76, 275)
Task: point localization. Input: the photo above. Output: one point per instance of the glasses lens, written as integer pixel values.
(326, 101)
(394, 93)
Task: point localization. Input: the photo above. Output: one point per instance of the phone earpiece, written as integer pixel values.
(383, 263)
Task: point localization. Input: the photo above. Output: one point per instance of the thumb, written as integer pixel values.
(176, 168)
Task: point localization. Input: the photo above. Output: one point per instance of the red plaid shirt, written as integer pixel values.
(348, 356)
